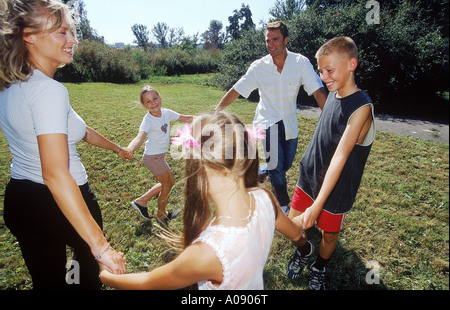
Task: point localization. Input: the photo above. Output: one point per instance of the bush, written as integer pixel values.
(97, 62)
(238, 56)
(174, 61)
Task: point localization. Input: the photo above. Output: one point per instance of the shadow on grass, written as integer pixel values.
(345, 270)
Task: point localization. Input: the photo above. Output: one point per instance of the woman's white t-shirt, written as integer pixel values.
(36, 107)
(158, 131)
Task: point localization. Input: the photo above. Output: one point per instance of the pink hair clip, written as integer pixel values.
(185, 139)
(256, 133)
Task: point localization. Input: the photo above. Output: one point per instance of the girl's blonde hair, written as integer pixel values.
(15, 17)
(146, 89)
(240, 164)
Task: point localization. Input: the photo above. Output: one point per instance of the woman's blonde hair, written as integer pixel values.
(15, 17)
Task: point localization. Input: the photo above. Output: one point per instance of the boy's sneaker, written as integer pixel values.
(316, 279)
(143, 211)
(286, 210)
(297, 263)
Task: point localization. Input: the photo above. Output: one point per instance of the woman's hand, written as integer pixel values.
(112, 261)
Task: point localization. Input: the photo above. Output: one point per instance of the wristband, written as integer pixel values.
(120, 148)
(99, 256)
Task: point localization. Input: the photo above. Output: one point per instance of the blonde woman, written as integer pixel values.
(227, 251)
(48, 201)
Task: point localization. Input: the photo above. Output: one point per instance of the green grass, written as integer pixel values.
(400, 218)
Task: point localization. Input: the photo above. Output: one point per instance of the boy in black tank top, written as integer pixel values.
(333, 164)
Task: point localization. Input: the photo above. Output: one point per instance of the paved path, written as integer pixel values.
(413, 127)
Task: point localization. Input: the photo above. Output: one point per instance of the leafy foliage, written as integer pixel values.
(401, 65)
(141, 33)
(238, 55)
(98, 62)
(213, 37)
(236, 26)
(285, 10)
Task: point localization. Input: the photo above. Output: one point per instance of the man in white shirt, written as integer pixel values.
(278, 78)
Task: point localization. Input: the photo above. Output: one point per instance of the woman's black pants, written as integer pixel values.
(43, 233)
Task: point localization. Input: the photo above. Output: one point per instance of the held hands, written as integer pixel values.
(106, 273)
(310, 216)
(112, 261)
(125, 153)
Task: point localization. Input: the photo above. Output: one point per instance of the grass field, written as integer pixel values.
(400, 218)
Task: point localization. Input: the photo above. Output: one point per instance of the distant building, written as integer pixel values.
(119, 45)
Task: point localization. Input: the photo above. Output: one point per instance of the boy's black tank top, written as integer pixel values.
(316, 160)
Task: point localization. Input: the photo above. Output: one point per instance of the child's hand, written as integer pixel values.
(103, 268)
(125, 154)
(105, 273)
(299, 219)
(310, 216)
(129, 155)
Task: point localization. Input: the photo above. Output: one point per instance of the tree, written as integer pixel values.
(141, 33)
(238, 55)
(175, 36)
(84, 29)
(167, 36)
(213, 38)
(402, 66)
(189, 43)
(160, 31)
(236, 27)
(285, 10)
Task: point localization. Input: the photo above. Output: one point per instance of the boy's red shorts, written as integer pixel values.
(327, 221)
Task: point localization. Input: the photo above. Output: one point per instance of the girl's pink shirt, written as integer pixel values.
(243, 251)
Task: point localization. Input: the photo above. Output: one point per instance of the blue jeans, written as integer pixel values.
(280, 154)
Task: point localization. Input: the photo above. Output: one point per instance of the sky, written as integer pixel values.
(113, 19)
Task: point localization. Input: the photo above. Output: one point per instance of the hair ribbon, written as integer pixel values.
(256, 133)
(185, 139)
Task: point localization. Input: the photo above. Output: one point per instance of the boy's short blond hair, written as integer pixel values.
(343, 45)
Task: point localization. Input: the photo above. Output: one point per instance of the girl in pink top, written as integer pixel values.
(227, 250)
